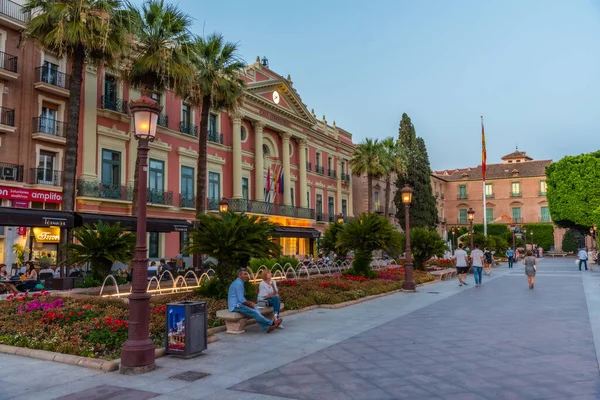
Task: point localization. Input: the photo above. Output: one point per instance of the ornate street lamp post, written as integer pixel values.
(532, 240)
(409, 280)
(471, 215)
(223, 205)
(594, 233)
(525, 237)
(340, 218)
(453, 239)
(513, 228)
(137, 353)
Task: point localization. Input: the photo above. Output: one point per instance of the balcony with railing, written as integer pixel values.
(331, 173)
(489, 195)
(97, 189)
(187, 201)
(308, 166)
(11, 172)
(215, 137)
(261, 207)
(543, 193)
(13, 13)
(545, 218)
(163, 120)
(320, 170)
(188, 128)
(517, 220)
(49, 129)
(345, 177)
(52, 81)
(114, 104)
(515, 194)
(8, 66)
(213, 204)
(45, 176)
(7, 119)
(155, 196)
(462, 196)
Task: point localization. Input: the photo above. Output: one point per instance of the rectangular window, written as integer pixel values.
(111, 169)
(187, 186)
(308, 199)
(156, 96)
(489, 190)
(545, 217)
(214, 186)
(343, 171)
(48, 119)
(318, 159)
(50, 73)
(45, 171)
(329, 160)
(516, 189)
(245, 184)
(376, 201)
(516, 214)
(319, 205)
(543, 188)
(186, 115)
(292, 197)
(489, 214)
(344, 207)
(153, 245)
(462, 191)
(110, 90)
(212, 124)
(156, 176)
(184, 241)
(462, 216)
(331, 208)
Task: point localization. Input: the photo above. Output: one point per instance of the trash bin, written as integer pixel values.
(186, 328)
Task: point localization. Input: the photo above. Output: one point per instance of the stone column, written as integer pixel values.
(259, 178)
(339, 186)
(303, 187)
(237, 156)
(90, 98)
(285, 144)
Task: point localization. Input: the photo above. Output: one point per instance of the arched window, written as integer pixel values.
(266, 151)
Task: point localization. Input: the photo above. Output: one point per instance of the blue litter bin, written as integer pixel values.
(187, 334)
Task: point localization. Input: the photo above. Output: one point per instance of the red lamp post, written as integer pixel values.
(409, 280)
(137, 353)
(471, 215)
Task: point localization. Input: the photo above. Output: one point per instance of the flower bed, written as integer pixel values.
(437, 264)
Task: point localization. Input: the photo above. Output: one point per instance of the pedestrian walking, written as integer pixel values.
(461, 265)
(477, 258)
(489, 261)
(510, 253)
(583, 258)
(530, 263)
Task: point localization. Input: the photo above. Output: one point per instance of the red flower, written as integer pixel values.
(79, 313)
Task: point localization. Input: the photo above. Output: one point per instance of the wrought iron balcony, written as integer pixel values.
(14, 10)
(308, 166)
(462, 196)
(53, 77)
(11, 172)
(213, 204)
(188, 128)
(345, 177)
(261, 207)
(187, 201)
(215, 137)
(8, 61)
(543, 193)
(7, 116)
(163, 120)
(321, 217)
(154, 196)
(515, 194)
(518, 220)
(45, 176)
(49, 126)
(489, 195)
(319, 169)
(331, 173)
(94, 188)
(114, 104)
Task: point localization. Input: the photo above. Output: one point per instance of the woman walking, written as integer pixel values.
(530, 263)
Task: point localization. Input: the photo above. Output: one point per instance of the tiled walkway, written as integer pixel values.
(499, 341)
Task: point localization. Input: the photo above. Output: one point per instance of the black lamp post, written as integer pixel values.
(513, 228)
(137, 353)
(525, 237)
(409, 280)
(471, 215)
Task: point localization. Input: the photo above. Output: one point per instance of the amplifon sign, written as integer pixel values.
(42, 196)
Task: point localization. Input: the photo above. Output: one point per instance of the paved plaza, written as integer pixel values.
(499, 341)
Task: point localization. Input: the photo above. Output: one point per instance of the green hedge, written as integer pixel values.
(543, 235)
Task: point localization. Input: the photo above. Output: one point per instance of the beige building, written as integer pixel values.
(360, 196)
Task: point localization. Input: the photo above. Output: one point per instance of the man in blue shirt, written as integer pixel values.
(238, 303)
(583, 257)
(510, 253)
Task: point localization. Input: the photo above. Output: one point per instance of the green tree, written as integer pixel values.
(364, 235)
(423, 210)
(160, 54)
(393, 161)
(424, 244)
(367, 160)
(543, 234)
(572, 196)
(216, 85)
(569, 242)
(233, 239)
(85, 32)
(329, 241)
(101, 246)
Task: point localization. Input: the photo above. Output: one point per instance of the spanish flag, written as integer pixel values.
(483, 152)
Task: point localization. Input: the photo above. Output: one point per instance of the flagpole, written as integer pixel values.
(484, 175)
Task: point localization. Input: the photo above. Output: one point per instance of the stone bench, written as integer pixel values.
(444, 274)
(236, 322)
(556, 254)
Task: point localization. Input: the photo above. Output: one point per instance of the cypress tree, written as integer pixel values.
(423, 210)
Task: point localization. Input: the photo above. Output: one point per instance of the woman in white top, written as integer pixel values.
(269, 294)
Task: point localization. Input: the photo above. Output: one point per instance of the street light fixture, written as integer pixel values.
(531, 240)
(471, 216)
(409, 281)
(223, 205)
(453, 230)
(137, 353)
(340, 218)
(513, 228)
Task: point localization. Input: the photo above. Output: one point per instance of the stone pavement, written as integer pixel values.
(499, 341)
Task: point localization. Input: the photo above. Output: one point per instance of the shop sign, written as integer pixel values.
(46, 235)
(20, 204)
(42, 196)
(22, 231)
(48, 221)
(180, 228)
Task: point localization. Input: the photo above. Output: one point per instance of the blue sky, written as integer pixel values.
(531, 68)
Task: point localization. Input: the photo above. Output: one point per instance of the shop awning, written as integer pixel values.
(130, 223)
(33, 217)
(297, 232)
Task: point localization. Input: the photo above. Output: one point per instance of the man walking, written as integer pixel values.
(510, 253)
(583, 257)
(477, 258)
(462, 267)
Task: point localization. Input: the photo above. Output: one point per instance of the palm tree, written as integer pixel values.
(217, 85)
(85, 32)
(393, 161)
(367, 160)
(160, 56)
(233, 238)
(101, 246)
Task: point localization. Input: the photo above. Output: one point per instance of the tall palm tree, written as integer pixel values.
(393, 161)
(216, 85)
(367, 160)
(160, 56)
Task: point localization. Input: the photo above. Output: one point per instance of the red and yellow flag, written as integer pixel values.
(483, 152)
